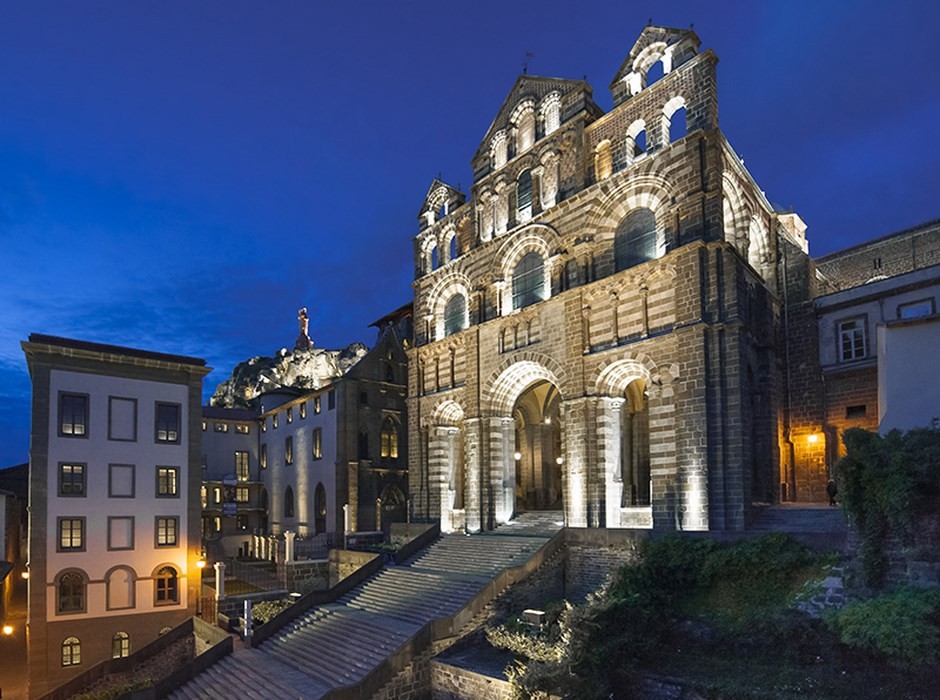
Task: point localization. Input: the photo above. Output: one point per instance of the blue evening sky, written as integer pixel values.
(182, 176)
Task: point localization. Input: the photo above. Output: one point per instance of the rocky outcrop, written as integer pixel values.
(300, 369)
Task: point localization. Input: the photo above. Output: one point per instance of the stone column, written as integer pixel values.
(473, 441)
(548, 181)
(501, 498)
(537, 174)
(577, 448)
(609, 432)
(440, 505)
(219, 580)
(289, 545)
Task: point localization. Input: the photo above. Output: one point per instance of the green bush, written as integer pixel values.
(903, 625)
(884, 482)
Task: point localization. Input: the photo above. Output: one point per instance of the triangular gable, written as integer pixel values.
(439, 194)
(528, 87)
(681, 41)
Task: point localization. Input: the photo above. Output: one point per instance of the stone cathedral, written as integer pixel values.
(602, 326)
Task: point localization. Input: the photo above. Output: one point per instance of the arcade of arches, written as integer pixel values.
(599, 459)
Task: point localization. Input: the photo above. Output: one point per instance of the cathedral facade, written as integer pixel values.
(601, 325)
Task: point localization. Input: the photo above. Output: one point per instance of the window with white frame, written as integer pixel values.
(851, 334)
(167, 529)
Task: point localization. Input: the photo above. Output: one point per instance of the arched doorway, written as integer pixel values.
(391, 508)
(538, 456)
(635, 445)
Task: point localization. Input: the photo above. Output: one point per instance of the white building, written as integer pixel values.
(114, 526)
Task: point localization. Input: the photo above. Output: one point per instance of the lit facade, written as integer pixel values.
(600, 325)
(114, 514)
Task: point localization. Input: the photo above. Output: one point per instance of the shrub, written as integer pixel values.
(903, 625)
(884, 481)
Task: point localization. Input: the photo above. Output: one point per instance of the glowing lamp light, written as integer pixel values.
(812, 438)
(548, 421)
(517, 456)
(25, 575)
(559, 461)
(201, 564)
(8, 630)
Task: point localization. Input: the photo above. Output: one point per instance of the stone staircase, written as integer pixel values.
(797, 518)
(339, 644)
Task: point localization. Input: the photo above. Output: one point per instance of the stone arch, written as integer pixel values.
(514, 376)
(428, 248)
(438, 203)
(613, 377)
(523, 118)
(646, 59)
(634, 148)
(550, 109)
(499, 149)
(452, 283)
(642, 192)
(758, 253)
(735, 213)
(603, 161)
(447, 412)
(538, 238)
(669, 110)
(450, 245)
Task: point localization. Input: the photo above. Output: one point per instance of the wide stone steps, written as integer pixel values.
(339, 644)
(414, 596)
(251, 675)
(800, 519)
(483, 555)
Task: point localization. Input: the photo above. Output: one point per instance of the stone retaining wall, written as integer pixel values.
(455, 683)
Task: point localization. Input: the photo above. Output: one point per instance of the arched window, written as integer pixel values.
(71, 593)
(453, 249)
(455, 314)
(288, 502)
(635, 241)
(120, 645)
(435, 261)
(677, 125)
(524, 195)
(674, 119)
(499, 150)
(528, 281)
(635, 141)
(525, 133)
(655, 72)
(120, 583)
(603, 161)
(389, 439)
(551, 112)
(319, 509)
(71, 652)
(166, 586)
